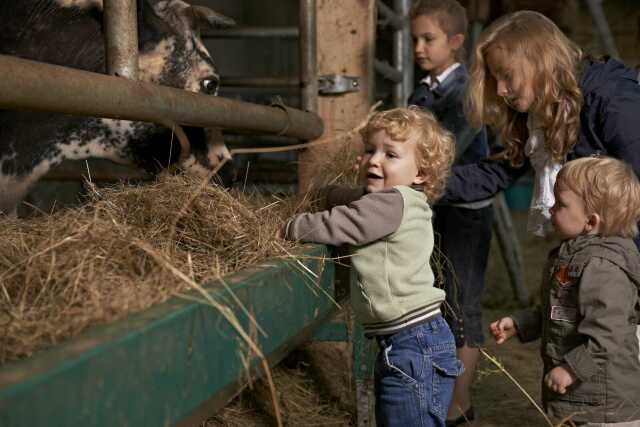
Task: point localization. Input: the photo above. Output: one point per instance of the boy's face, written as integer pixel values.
(568, 214)
(434, 51)
(514, 79)
(386, 163)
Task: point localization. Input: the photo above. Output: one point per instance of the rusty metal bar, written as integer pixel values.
(121, 38)
(252, 33)
(403, 54)
(389, 15)
(308, 43)
(30, 85)
(242, 81)
(388, 71)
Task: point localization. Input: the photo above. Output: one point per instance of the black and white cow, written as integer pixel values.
(69, 33)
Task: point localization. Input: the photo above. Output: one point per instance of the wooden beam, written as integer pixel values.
(346, 42)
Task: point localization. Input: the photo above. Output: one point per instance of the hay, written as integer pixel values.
(302, 403)
(64, 272)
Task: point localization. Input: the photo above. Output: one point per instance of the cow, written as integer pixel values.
(70, 33)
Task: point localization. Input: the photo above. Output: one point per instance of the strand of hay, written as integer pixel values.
(498, 365)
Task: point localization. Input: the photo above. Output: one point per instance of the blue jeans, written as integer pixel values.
(414, 375)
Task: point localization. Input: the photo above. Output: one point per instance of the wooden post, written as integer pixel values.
(345, 43)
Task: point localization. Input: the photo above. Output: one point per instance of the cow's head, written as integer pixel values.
(172, 54)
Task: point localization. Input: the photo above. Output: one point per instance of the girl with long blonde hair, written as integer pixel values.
(549, 103)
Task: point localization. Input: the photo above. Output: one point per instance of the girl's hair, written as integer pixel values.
(532, 37)
(435, 147)
(450, 15)
(608, 187)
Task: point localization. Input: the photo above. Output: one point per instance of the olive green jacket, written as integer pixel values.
(587, 319)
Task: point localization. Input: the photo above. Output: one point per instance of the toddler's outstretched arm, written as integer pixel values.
(503, 329)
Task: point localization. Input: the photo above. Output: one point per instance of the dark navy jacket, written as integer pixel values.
(445, 102)
(609, 125)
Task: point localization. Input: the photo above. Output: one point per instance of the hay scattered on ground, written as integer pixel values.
(302, 401)
(64, 272)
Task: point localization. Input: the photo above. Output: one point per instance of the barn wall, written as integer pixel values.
(624, 21)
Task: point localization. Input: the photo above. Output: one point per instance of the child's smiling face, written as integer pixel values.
(386, 163)
(434, 50)
(514, 78)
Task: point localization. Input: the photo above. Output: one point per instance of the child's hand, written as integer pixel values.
(503, 329)
(559, 378)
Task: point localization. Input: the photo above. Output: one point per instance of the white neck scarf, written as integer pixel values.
(546, 169)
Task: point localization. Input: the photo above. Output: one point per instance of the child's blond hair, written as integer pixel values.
(435, 147)
(608, 187)
(555, 60)
(449, 14)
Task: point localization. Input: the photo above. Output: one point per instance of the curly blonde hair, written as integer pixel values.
(531, 37)
(608, 187)
(435, 146)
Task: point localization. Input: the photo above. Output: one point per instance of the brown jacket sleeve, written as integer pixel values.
(373, 216)
(337, 195)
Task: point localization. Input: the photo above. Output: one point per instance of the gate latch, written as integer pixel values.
(337, 84)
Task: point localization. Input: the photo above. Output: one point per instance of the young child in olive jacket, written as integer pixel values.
(589, 309)
(387, 225)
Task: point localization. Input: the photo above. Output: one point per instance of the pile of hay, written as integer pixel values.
(94, 264)
(98, 263)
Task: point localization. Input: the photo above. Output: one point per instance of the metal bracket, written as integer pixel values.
(337, 84)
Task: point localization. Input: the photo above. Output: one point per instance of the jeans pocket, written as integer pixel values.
(404, 365)
(446, 367)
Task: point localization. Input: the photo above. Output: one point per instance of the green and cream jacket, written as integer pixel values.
(390, 237)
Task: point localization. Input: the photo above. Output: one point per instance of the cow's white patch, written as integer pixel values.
(82, 4)
(77, 147)
(14, 188)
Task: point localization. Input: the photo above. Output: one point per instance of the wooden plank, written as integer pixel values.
(161, 366)
(346, 41)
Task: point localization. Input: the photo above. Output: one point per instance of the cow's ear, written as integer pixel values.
(211, 18)
(151, 20)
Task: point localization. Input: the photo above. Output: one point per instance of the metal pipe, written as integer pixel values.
(387, 71)
(261, 82)
(308, 56)
(600, 19)
(389, 15)
(252, 33)
(30, 85)
(402, 54)
(121, 38)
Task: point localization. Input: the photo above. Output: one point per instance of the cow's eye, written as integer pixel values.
(209, 86)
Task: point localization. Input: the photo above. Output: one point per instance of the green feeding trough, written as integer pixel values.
(175, 363)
